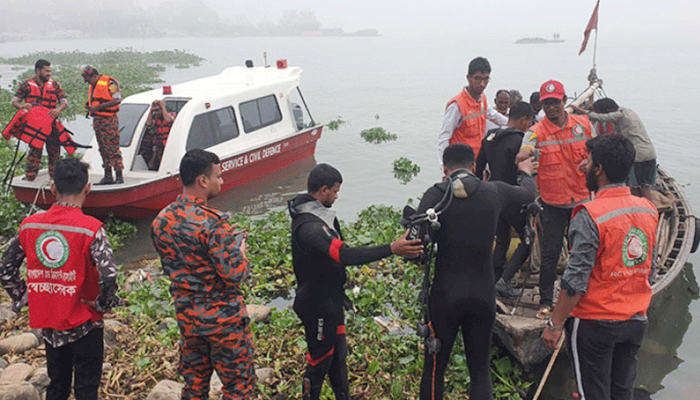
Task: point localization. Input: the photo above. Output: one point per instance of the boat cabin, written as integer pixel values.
(253, 118)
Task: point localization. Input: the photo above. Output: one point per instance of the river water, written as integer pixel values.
(403, 85)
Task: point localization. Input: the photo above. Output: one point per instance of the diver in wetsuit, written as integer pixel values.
(462, 293)
(319, 258)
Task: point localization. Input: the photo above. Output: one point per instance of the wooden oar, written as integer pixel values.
(549, 366)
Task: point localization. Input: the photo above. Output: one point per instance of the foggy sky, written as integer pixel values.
(503, 19)
(624, 20)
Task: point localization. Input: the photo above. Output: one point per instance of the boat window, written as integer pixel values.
(260, 113)
(212, 128)
(129, 117)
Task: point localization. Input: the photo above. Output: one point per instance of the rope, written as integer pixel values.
(42, 189)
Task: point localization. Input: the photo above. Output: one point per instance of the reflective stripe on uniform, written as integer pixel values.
(480, 113)
(577, 139)
(623, 211)
(52, 227)
(549, 143)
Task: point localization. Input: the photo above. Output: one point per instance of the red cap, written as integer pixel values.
(552, 90)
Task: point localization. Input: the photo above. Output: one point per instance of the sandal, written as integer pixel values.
(544, 312)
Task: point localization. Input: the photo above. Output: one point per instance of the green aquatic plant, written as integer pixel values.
(119, 232)
(117, 56)
(334, 125)
(378, 135)
(405, 170)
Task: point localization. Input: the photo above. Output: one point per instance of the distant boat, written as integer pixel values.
(537, 40)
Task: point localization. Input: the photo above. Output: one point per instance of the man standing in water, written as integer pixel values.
(560, 140)
(206, 262)
(606, 285)
(44, 91)
(104, 97)
(319, 257)
(71, 281)
(466, 114)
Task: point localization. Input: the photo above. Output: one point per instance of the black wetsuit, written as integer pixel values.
(512, 215)
(319, 258)
(462, 293)
(498, 149)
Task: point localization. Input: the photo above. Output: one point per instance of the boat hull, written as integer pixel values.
(145, 200)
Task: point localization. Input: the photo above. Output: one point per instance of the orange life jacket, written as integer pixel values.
(35, 128)
(618, 287)
(60, 271)
(100, 94)
(46, 96)
(162, 129)
(473, 125)
(561, 151)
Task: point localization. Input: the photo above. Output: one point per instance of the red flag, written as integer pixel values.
(592, 24)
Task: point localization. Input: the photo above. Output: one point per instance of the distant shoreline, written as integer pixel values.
(538, 40)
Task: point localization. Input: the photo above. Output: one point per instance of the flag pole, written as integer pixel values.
(595, 46)
(595, 43)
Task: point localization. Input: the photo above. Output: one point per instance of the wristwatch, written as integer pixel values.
(552, 327)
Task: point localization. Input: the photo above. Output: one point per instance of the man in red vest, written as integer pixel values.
(466, 113)
(71, 282)
(104, 97)
(44, 91)
(560, 140)
(606, 285)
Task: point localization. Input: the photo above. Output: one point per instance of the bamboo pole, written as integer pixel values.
(549, 366)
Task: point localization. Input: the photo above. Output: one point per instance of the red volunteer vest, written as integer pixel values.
(45, 96)
(473, 125)
(100, 94)
(561, 151)
(618, 287)
(60, 270)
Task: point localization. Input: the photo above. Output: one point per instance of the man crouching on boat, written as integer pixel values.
(206, 262)
(606, 285)
(319, 258)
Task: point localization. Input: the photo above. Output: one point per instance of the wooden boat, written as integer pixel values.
(251, 117)
(519, 331)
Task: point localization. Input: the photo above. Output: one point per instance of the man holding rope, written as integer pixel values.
(606, 285)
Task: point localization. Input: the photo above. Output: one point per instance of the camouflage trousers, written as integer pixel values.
(107, 134)
(226, 347)
(34, 160)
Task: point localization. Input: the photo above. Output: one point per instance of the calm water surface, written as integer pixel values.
(403, 85)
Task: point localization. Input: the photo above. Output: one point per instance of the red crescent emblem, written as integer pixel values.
(44, 249)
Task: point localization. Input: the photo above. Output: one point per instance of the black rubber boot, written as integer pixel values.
(107, 180)
(119, 179)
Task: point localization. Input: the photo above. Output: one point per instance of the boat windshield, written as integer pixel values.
(129, 117)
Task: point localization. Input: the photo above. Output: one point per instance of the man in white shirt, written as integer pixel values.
(466, 114)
